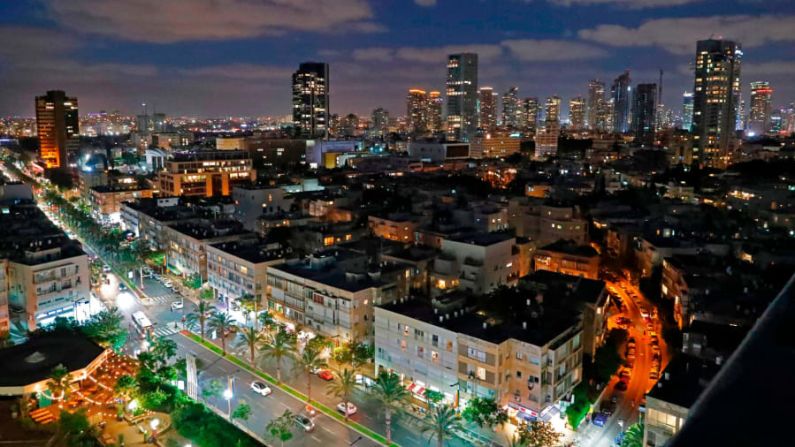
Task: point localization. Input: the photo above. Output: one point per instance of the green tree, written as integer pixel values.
(281, 428)
(484, 411)
(125, 387)
(539, 434)
(206, 294)
(242, 411)
(308, 362)
(391, 394)
(252, 338)
(221, 323)
(250, 304)
(106, 328)
(74, 430)
(200, 317)
(212, 389)
(280, 346)
(442, 423)
(633, 437)
(343, 387)
(267, 321)
(59, 383)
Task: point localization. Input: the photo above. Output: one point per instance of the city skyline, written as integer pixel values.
(215, 69)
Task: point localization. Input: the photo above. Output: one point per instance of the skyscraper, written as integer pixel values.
(596, 105)
(311, 99)
(761, 103)
(435, 111)
(58, 126)
(687, 111)
(552, 109)
(716, 97)
(621, 93)
(488, 109)
(644, 110)
(512, 109)
(577, 113)
(462, 96)
(531, 111)
(379, 122)
(417, 111)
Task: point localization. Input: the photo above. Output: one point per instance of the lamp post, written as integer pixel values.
(228, 395)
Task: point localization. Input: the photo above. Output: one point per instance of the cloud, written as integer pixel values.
(166, 21)
(772, 68)
(552, 50)
(240, 71)
(679, 35)
(629, 4)
(425, 3)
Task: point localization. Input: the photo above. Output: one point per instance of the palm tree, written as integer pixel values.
(633, 437)
(442, 423)
(249, 303)
(279, 346)
(343, 387)
(59, 382)
(200, 317)
(252, 338)
(308, 362)
(266, 320)
(221, 323)
(390, 393)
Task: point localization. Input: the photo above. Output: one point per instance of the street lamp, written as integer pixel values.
(228, 395)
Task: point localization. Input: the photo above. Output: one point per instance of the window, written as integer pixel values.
(449, 346)
(476, 354)
(518, 374)
(420, 351)
(435, 340)
(406, 330)
(403, 345)
(418, 333)
(518, 356)
(434, 356)
(480, 373)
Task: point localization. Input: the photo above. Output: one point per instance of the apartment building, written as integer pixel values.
(106, 200)
(187, 242)
(477, 263)
(527, 364)
(569, 258)
(205, 173)
(255, 201)
(394, 227)
(546, 222)
(333, 292)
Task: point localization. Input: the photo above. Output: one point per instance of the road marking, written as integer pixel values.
(315, 438)
(326, 429)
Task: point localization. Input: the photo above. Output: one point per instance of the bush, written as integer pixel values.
(577, 411)
(206, 429)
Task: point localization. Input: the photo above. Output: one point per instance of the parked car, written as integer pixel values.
(106, 268)
(177, 305)
(624, 374)
(261, 388)
(621, 386)
(122, 286)
(599, 419)
(653, 375)
(351, 408)
(304, 422)
(325, 375)
(168, 284)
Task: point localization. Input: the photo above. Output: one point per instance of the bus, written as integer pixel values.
(142, 323)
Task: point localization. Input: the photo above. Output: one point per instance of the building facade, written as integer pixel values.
(761, 105)
(58, 127)
(644, 112)
(621, 93)
(311, 100)
(488, 109)
(205, 174)
(462, 96)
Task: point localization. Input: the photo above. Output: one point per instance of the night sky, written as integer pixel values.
(235, 57)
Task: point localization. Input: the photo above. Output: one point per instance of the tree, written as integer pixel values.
(252, 339)
(281, 427)
(354, 354)
(125, 386)
(343, 387)
(633, 437)
(206, 294)
(250, 304)
(199, 318)
(74, 430)
(442, 423)
(242, 411)
(59, 382)
(309, 361)
(539, 434)
(212, 389)
(484, 411)
(106, 328)
(267, 321)
(391, 394)
(281, 345)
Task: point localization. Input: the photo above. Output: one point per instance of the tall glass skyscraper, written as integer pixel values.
(761, 108)
(311, 99)
(644, 111)
(462, 96)
(687, 111)
(58, 126)
(621, 93)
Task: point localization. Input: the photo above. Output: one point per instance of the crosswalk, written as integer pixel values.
(167, 329)
(167, 298)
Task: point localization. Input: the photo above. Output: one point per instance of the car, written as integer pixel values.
(325, 375)
(649, 326)
(621, 386)
(624, 373)
(168, 284)
(304, 422)
(655, 341)
(644, 312)
(351, 408)
(261, 388)
(653, 375)
(122, 286)
(629, 364)
(105, 268)
(599, 419)
(631, 340)
(177, 305)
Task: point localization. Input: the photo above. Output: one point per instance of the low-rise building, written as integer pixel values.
(477, 263)
(205, 173)
(394, 227)
(106, 200)
(255, 201)
(187, 242)
(569, 258)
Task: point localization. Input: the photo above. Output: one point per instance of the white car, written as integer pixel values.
(351, 408)
(106, 268)
(168, 284)
(261, 388)
(177, 305)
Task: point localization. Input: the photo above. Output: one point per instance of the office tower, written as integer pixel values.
(379, 122)
(511, 109)
(552, 109)
(311, 99)
(417, 111)
(58, 126)
(350, 125)
(716, 97)
(621, 93)
(761, 103)
(462, 96)
(596, 105)
(687, 111)
(435, 111)
(644, 111)
(577, 113)
(531, 111)
(488, 109)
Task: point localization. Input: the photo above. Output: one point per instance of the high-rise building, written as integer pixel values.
(462, 96)
(716, 97)
(58, 127)
(596, 106)
(577, 113)
(488, 109)
(552, 109)
(511, 109)
(687, 111)
(311, 99)
(435, 111)
(531, 112)
(761, 103)
(379, 125)
(621, 93)
(417, 111)
(644, 111)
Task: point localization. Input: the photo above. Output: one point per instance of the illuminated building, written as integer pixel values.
(716, 98)
(552, 109)
(379, 125)
(511, 109)
(435, 111)
(621, 93)
(488, 109)
(687, 111)
(761, 102)
(311, 99)
(417, 111)
(596, 106)
(498, 143)
(462, 96)
(531, 112)
(577, 113)
(207, 173)
(643, 113)
(58, 126)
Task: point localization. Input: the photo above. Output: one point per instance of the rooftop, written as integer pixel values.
(683, 380)
(34, 360)
(570, 248)
(252, 251)
(483, 239)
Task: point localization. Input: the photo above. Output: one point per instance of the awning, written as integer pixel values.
(417, 389)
